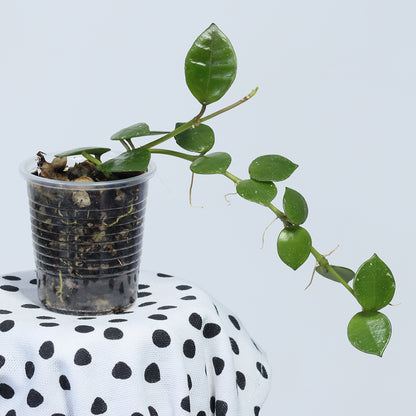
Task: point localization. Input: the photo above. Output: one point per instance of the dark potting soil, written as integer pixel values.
(87, 242)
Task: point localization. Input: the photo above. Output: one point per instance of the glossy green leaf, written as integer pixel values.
(136, 160)
(294, 245)
(295, 206)
(210, 66)
(370, 332)
(198, 139)
(96, 151)
(136, 130)
(345, 273)
(211, 163)
(260, 192)
(374, 284)
(271, 168)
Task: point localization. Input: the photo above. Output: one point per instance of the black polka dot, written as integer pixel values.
(6, 391)
(211, 330)
(143, 294)
(189, 380)
(212, 404)
(45, 317)
(6, 325)
(183, 287)
(4, 312)
(221, 408)
(58, 414)
(86, 318)
(201, 413)
(161, 338)
(2, 361)
(234, 322)
(29, 369)
(234, 346)
(99, 406)
(164, 275)
(186, 404)
(48, 324)
(64, 383)
(82, 357)
(118, 320)
(218, 364)
(34, 282)
(158, 317)
(12, 278)
(241, 380)
(30, 306)
(195, 320)
(152, 373)
(12, 413)
(256, 411)
(34, 398)
(166, 307)
(189, 297)
(9, 288)
(113, 333)
(121, 371)
(84, 329)
(189, 348)
(142, 305)
(141, 286)
(136, 414)
(46, 350)
(262, 370)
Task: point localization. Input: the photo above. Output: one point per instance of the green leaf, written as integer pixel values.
(210, 66)
(345, 273)
(271, 168)
(96, 151)
(260, 192)
(370, 332)
(198, 139)
(295, 206)
(136, 160)
(374, 284)
(294, 245)
(211, 163)
(136, 130)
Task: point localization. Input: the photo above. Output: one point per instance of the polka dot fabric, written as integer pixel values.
(175, 352)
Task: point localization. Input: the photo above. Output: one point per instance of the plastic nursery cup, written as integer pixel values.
(87, 239)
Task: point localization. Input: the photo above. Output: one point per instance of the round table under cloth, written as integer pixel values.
(176, 351)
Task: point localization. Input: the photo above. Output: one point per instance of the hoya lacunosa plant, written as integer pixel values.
(210, 70)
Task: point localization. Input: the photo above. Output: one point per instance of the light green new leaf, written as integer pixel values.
(210, 66)
(136, 130)
(295, 206)
(374, 284)
(136, 160)
(211, 163)
(370, 332)
(346, 274)
(198, 139)
(271, 168)
(260, 192)
(294, 245)
(96, 151)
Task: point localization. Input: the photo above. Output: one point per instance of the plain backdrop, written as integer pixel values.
(337, 96)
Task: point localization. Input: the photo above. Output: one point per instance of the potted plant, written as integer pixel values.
(94, 210)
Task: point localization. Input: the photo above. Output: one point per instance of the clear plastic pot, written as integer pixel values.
(87, 239)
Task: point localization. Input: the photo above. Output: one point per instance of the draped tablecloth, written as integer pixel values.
(176, 351)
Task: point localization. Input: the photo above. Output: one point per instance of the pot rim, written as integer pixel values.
(28, 166)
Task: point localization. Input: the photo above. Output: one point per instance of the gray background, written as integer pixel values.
(337, 96)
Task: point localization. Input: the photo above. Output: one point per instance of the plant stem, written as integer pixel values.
(123, 142)
(91, 158)
(174, 153)
(192, 122)
(323, 262)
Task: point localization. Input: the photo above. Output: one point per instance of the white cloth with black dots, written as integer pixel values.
(176, 351)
